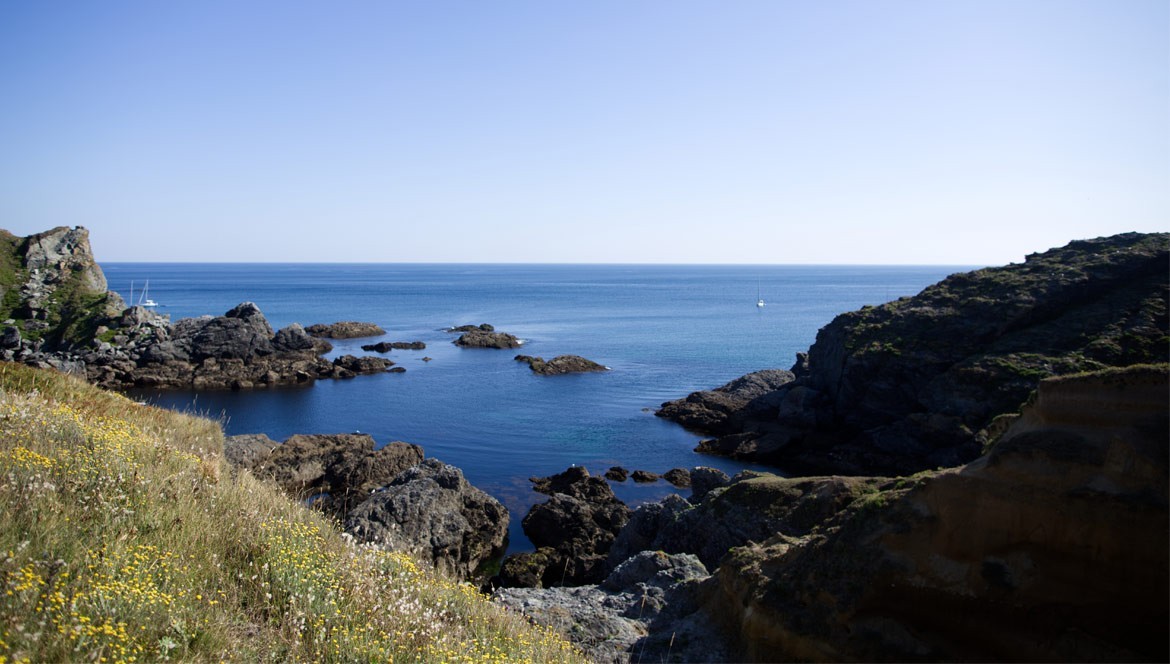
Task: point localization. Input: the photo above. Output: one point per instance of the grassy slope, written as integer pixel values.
(125, 537)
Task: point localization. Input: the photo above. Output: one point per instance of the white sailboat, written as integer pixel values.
(759, 296)
(143, 297)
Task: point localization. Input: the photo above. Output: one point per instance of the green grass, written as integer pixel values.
(127, 538)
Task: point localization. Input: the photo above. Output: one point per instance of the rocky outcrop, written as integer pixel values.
(361, 365)
(644, 476)
(725, 409)
(482, 327)
(52, 292)
(1055, 545)
(561, 364)
(389, 496)
(387, 346)
(431, 511)
(647, 610)
(338, 470)
(238, 350)
(348, 329)
(572, 531)
(476, 337)
(752, 508)
(913, 384)
(617, 474)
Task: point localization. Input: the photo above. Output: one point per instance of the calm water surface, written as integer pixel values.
(663, 330)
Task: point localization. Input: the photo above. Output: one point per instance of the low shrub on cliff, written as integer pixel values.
(126, 538)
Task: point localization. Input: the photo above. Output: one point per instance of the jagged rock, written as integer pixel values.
(561, 364)
(646, 610)
(679, 477)
(478, 338)
(432, 511)
(576, 525)
(295, 338)
(345, 330)
(339, 469)
(913, 384)
(704, 479)
(1049, 547)
(724, 409)
(617, 474)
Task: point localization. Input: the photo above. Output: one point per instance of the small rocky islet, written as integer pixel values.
(983, 470)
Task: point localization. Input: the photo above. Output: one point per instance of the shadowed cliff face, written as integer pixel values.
(912, 384)
(1053, 546)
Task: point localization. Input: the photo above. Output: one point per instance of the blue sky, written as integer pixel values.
(937, 132)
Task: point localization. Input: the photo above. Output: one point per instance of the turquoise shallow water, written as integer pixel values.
(663, 330)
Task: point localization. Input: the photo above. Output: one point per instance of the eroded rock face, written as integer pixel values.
(1055, 545)
(913, 384)
(431, 511)
(342, 469)
(751, 508)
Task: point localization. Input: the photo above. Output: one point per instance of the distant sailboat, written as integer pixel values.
(143, 297)
(759, 296)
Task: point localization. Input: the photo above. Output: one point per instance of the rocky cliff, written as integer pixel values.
(59, 314)
(1053, 546)
(913, 384)
(52, 292)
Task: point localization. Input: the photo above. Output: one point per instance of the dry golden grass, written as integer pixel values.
(125, 538)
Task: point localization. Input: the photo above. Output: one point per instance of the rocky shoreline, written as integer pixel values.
(935, 517)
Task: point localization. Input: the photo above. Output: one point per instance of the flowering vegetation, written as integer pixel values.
(125, 538)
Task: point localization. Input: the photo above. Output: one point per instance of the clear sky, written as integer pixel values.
(633, 131)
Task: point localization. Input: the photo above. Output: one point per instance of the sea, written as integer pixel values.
(664, 331)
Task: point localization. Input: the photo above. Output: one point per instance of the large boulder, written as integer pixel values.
(1054, 546)
(431, 511)
(337, 470)
(573, 531)
(914, 384)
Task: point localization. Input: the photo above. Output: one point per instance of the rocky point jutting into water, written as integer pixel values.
(58, 313)
(915, 383)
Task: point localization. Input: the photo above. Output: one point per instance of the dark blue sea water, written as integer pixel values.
(663, 330)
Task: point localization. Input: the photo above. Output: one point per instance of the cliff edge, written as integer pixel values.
(914, 384)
